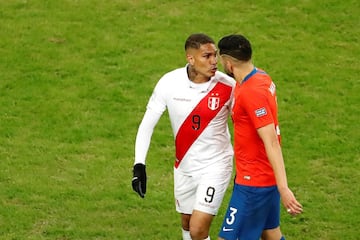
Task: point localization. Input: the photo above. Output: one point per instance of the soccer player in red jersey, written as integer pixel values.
(260, 183)
(198, 100)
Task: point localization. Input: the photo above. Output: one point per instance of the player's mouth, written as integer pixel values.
(213, 70)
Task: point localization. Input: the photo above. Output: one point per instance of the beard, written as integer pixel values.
(229, 73)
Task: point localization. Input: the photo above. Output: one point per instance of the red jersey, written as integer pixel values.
(254, 107)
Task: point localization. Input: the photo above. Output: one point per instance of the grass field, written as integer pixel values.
(75, 79)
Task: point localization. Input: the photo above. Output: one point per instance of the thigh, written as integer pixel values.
(273, 208)
(237, 221)
(246, 214)
(211, 190)
(185, 192)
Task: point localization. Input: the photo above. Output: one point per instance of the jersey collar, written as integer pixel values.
(252, 73)
(200, 87)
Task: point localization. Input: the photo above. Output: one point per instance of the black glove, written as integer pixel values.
(139, 179)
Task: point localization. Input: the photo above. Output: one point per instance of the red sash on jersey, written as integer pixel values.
(207, 109)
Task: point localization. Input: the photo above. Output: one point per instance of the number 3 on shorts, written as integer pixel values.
(231, 219)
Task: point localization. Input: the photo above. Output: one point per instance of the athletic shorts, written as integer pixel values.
(203, 192)
(251, 210)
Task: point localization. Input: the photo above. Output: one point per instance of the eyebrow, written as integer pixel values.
(210, 52)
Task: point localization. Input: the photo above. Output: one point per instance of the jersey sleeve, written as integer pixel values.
(155, 108)
(258, 108)
(157, 101)
(143, 137)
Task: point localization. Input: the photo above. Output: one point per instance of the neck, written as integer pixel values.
(195, 77)
(243, 70)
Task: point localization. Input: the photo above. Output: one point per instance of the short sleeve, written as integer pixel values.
(257, 106)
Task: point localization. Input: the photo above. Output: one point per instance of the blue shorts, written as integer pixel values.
(251, 210)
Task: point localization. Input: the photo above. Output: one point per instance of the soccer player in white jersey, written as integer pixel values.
(198, 99)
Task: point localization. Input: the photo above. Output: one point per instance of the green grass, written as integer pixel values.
(75, 80)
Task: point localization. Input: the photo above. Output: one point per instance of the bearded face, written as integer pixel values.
(227, 68)
(228, 72)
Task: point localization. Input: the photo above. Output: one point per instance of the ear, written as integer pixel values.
(229, 65)
(190, 59)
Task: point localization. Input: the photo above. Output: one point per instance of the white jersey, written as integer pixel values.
(198, 114)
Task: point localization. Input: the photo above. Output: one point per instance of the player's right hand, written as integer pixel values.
(139, 179)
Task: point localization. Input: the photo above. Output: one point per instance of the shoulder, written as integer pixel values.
(263, 76)
(260, 80)
(179, 72)
(224, 78)
(258, 87)
(172, 77)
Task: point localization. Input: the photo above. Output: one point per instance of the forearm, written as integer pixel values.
(275, 157)
(274, 154)
(143, 137)
(292, 206)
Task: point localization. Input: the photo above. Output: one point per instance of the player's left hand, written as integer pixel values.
(139, 179)
(293, 207)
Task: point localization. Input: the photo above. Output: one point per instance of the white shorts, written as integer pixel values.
(203, 192)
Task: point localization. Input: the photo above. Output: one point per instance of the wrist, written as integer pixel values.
(282, 189)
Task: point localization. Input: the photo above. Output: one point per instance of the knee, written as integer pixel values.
(197, 232)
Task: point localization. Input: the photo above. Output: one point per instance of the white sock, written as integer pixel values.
(186, 234)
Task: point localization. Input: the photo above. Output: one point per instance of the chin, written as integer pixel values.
(212, 73)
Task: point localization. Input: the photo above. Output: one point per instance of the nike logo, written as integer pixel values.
(227, 229)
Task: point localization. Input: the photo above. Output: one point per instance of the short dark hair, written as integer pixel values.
(197, 39)
(237, 46)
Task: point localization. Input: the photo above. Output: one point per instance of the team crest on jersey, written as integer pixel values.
(214, 101)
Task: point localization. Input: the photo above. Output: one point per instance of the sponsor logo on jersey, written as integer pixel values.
(260, 112)
(182, 99)
(225, 229)
(213, 101)
(247, 178)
